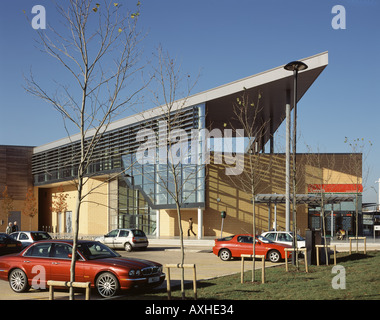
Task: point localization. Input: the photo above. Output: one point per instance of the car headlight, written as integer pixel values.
(138, 272)
(131, 272)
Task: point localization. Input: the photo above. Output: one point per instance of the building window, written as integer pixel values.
(343, 217)
(134, 211)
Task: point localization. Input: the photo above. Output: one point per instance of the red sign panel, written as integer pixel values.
(334, 188)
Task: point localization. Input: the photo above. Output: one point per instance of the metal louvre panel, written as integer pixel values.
(61, 162)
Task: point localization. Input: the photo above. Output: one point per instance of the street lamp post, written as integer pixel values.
(378, 201)
(295, 66)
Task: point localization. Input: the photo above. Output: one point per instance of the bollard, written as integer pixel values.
(359, 238)
(325, 246)
(179, 265)
(304, 250)
(262, 269)
(68, 284)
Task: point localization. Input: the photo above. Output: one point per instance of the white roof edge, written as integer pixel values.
(315, 61)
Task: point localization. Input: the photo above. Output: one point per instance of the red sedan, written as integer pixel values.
(96, 263)
(234, 246)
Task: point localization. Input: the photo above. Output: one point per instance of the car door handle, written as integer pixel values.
(55, 263)
(26, 261)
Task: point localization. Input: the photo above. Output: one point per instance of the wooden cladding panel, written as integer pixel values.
(15, 170)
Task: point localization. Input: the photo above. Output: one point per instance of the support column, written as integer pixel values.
(271, 139)
(200, 223)
(157, 224)
(113, 206)
(275, 217)
(287, 167)
(332, 221)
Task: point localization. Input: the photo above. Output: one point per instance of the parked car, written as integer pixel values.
(236, 245)
(29, 237)
(284, 237)
(8, 244)
(127, 239)
(107, 271)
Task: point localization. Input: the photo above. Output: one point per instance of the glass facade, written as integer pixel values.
(164, 171)
(343, 217)
(134, 211)
(157, 183)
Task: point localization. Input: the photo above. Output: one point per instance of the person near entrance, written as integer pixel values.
(15, 227)
(190, 229)
(9, 228)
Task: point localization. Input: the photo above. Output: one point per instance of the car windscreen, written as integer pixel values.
(263, 239)
(96, 250)
(4, 238)
(138, 233)
(225, 238)
(37, 236)
(299, 238)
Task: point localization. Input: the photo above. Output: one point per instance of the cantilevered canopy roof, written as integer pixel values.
(313, 200)
(275, 87)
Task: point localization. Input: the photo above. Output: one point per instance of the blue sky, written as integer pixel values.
(224, 41)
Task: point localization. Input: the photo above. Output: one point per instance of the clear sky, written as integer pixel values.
(225, 41)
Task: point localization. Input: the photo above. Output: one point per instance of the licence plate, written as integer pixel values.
(11, 245)
(153, 279)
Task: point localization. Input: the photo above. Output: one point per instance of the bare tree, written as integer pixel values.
(167, 140)
(7, 204)
(59, 202)
(30, 205)
(98, 47)
(358, 173)
(320, 172)
(247, 115)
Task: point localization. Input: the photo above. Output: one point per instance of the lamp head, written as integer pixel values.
(296, 65)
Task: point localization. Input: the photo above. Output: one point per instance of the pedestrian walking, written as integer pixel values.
(190, 229)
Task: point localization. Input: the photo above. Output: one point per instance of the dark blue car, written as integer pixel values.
(9, 245)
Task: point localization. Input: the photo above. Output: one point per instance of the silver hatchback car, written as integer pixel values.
(284, 237)
(29, 237)
(128, 239)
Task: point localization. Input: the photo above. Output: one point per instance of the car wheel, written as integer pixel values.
(107, 285)
(274, 256)
(128, 247)
(225, 255)
(18, 281)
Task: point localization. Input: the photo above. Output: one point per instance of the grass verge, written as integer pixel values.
(362, 282)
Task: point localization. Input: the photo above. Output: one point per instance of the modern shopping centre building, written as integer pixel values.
(132, 181)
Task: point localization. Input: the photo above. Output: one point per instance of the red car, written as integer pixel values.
(234, 246)
(105, 269)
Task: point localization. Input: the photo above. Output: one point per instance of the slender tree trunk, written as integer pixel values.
(75, 238)
(254, 238)
(324, 226)
(182, 251)
(81, 172)
(357, 220)
(252, 180)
